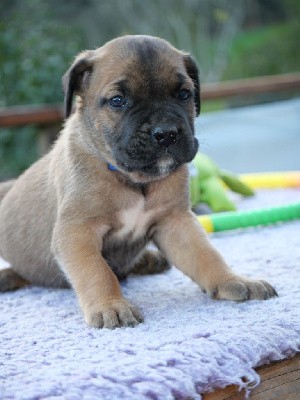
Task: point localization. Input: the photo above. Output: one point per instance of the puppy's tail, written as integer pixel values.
(5, 187)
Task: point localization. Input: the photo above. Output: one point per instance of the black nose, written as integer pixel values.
(165, 136)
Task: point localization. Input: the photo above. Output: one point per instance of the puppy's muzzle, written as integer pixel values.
(165, 136)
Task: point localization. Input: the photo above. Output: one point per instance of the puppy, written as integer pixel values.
(115, 180)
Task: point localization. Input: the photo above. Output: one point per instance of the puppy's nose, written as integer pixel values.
(165, 136)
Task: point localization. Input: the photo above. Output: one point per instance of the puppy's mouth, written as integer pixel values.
(159, 166)
(163, 166)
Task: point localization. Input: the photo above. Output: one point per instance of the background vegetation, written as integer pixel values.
(38, 38)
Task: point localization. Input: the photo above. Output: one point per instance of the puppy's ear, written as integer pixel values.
(193, 73)
(76, 78)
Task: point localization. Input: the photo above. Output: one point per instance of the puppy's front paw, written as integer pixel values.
(113, 314)
(239, 288)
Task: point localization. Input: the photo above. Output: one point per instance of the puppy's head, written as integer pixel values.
(138, 100)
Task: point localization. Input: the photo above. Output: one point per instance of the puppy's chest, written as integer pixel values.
(128, 238)
(134, 221)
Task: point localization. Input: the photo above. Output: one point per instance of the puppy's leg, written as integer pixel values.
(78, 252)
(150, 262)
(10, 280)
(186, 245)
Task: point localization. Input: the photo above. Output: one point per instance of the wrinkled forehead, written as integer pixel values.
(149, 65)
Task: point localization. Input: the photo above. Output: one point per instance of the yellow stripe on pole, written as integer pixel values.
(270, 180)
(206, 222)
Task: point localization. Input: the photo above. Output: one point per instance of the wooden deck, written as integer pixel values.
(279, 381)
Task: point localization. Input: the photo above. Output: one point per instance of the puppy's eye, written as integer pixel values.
(184, 94)
(117, 101)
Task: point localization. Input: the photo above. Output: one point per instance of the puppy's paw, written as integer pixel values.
(114, 314)
(239, 288)
(151, 262)
(10, 280)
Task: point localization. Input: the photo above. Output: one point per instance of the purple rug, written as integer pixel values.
(188, 344)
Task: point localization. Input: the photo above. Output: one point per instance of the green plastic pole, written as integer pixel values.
(242, 219)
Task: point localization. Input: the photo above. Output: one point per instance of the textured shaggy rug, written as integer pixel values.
(188, 343)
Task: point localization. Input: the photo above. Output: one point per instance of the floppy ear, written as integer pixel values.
(193, 73)
(76, 78)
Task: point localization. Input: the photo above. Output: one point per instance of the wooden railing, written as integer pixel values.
(49, 115)
(251, 86)
(53, 113)
(46, 114)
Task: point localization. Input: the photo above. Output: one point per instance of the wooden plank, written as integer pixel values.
(224, 394)
(246, 87)
(24, 115)
(53, 113)
(279, 381)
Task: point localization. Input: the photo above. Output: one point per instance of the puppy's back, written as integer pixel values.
(5, 187)
(27, 216)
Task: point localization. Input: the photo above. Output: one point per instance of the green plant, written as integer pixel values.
(34, 53)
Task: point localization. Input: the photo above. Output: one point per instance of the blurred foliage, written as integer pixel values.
(203, 27)
(35, 51)
(265, 51)
(38, 39)
(18, 149)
